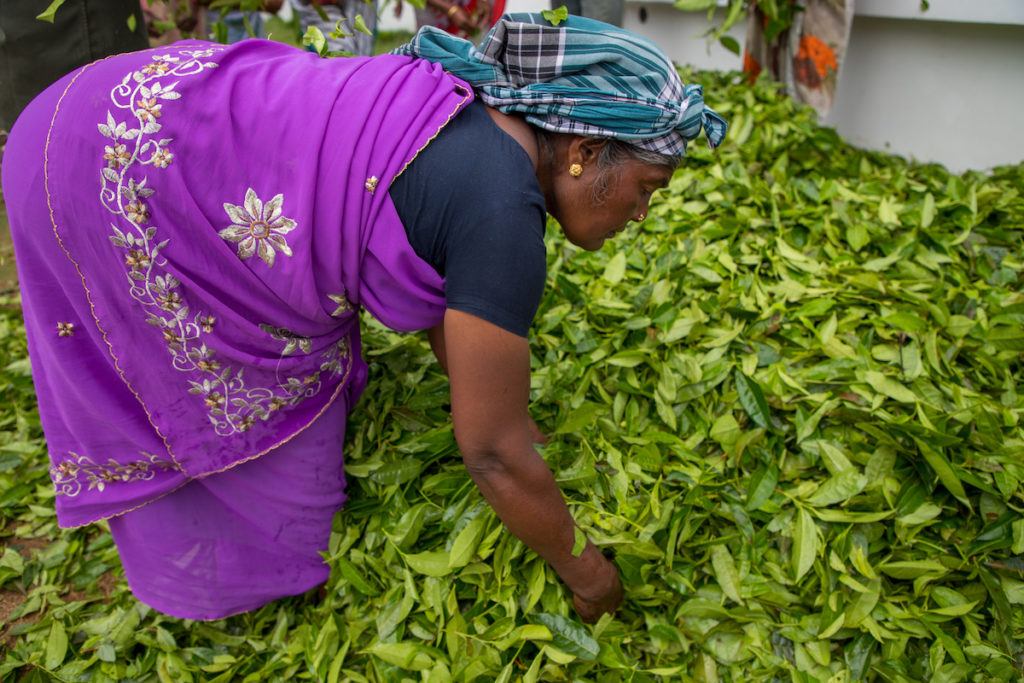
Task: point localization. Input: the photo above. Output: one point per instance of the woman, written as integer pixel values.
(198, 226)
(464, 18)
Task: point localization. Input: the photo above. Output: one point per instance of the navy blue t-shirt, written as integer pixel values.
(473, 210)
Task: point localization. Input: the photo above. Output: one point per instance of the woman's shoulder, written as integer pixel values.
(473, 148)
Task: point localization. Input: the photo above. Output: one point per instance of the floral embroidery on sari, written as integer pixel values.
(334, 358)
(257, 228)
(292, 341)
(343, 304)
(70, 475)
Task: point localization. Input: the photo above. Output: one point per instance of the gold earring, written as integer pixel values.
(575, 170)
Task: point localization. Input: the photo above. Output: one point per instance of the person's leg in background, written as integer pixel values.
(608, 11)
(237, 25)
(357, 42)
(36, 53)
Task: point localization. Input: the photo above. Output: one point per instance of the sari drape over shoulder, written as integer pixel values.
(196, 228)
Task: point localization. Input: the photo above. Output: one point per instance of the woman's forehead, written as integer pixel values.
(650, 172)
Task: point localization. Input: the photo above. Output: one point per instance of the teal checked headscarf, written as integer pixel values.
(582, 76)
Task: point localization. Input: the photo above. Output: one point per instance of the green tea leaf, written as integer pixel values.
(762, 486)
(927, 210)
(355, 578)
(430, 563)
(730, 44)
(466, 543)
(359, 24)
(725, 572)
(50, 11)
(838, 488)
(805, 543)
(911, 569)
(56, 646)
(408, 656)
(579, 543)
(555, 16)
(889, 387)
(694, 5)
(752, 399)
(945, 472)
(570, 637)
(314, 38)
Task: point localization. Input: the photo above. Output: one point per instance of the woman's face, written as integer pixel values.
(591, 208)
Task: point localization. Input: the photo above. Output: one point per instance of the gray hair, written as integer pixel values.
(617, 152)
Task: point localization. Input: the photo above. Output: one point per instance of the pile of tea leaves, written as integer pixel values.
(788, 404)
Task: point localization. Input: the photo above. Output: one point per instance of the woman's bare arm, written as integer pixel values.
(489, 370)
(435, 335)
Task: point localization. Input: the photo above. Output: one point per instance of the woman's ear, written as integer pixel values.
(584, 151)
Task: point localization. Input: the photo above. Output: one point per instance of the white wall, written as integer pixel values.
(934, 86)
(946, 85)
(934, 91)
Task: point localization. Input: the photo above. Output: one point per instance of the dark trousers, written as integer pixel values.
(34, 53)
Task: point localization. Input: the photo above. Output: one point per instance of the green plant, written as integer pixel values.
(788, 403)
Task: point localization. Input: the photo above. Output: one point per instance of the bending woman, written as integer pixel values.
(197, 228)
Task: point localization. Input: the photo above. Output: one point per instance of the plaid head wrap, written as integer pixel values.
(583, 77)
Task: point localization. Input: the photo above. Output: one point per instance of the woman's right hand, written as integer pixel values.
(601, 595)
(489, 374)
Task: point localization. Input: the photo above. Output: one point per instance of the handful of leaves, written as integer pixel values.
(788, 404)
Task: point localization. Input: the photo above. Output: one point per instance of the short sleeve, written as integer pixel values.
(473, 210)
(497, 270)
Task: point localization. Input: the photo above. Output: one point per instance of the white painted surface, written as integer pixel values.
(681, 34)
(931, 89)
(962, 11)
(946, 85)
(945, 92)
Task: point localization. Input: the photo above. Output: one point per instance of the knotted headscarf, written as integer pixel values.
(583, 77)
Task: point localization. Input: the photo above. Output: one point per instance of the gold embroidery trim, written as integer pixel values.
(110, 349)
(68, 476)
(78, 269)
(458, 108)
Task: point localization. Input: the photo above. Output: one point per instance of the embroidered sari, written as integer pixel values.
(196, 229)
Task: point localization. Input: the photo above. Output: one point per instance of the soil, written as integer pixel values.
(8, 276)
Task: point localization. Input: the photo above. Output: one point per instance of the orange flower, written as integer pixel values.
(815, 50)
(751, 67)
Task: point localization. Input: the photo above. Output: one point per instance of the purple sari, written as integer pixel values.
(196, 229)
